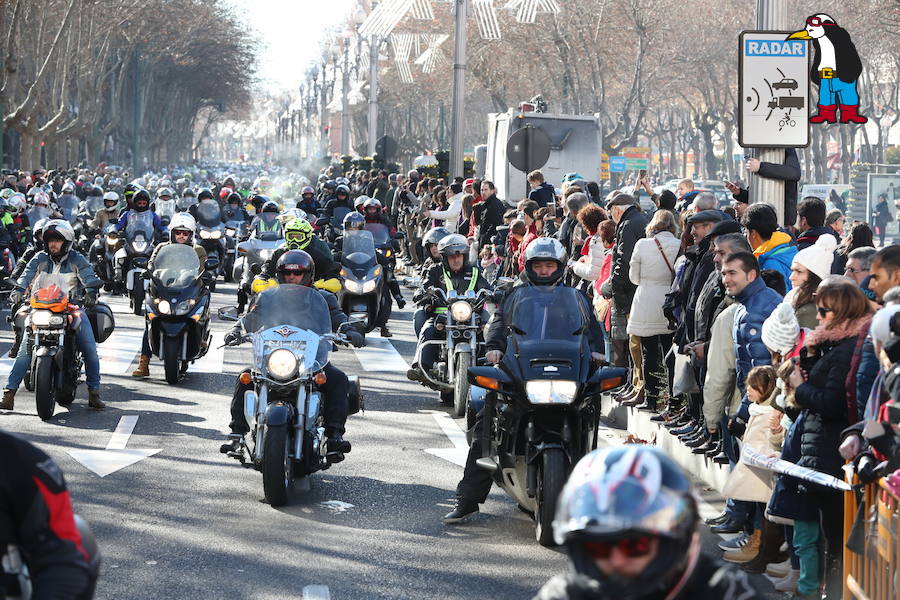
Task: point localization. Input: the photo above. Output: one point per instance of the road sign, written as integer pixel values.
(528, 148)
(386, 147)
(773, 89)
(636, 158)
(604, 166)
(617, 164)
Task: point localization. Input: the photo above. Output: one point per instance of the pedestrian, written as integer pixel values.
(652, 272)
(860, 237)
(541, 191)
(809, 267)
(881, 217)
(811, 222)
(488, 213)
(834, 218)
(772, 248)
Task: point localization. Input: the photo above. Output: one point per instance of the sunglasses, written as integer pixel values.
(823, 312)
(852, 270)
(630, 547)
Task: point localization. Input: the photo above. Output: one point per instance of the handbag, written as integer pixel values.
(685, 382)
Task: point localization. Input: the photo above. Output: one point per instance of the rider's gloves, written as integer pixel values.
(90, 298)
(356, 338)
(232, 338)
(15, 297)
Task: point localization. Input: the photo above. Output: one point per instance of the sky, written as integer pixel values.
(291, 30)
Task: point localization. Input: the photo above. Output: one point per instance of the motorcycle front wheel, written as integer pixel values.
(45, 387)
(277, 465)
(461, 385)
(172, 358)
(551, 478)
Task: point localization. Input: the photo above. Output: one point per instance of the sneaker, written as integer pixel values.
(735, 542)
(788, 583)
(779, 570)
(747, 552)
(463, 512)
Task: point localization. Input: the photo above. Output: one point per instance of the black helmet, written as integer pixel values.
(204, 194)
(628, 493)
(139, 196)
(58, 229)
(296, 261)
(330, 184)
(270, 207)
(234, 197)
(453, 244)
(342, 189)
(545, 249)
(129, 190)
(354, 220)
(433, 237)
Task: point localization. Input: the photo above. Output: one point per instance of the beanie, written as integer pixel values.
(881, 324)
(781, 330)
(818, 257)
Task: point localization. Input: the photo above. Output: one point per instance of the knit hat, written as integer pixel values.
(781, 330)
(818, 257)
(881, 324)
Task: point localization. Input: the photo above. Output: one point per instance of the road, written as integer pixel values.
(188, 522)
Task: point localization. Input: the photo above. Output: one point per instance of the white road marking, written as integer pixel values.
(336, 506)
(6, 365)
(118, 351)
(316, 592)
(115, 456)
(213, 360)
(457, 455)
(380, 355)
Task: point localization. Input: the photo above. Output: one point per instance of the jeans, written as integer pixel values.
(84, 339)
(806, 545)
(656, 379)
(832, 89)
(419, 318)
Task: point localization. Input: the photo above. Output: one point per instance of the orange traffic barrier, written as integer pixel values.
(873, 575)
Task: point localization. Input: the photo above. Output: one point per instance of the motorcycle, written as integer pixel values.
(177, 309)
(210, 231)
(109, 243)
(54, 320)
(235, 231)
(86, 238)
(254, 252)
(291, 345)
(334, 226)
(544, 413)
(462, 321)
(164, 209)
(133, 256)
(364, 291)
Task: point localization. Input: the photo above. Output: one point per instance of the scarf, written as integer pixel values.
(822, 334)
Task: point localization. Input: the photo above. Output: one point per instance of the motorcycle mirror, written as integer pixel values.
(228, 313)
(256, 269)
(504, 282)
(212, 263)
(321, 222)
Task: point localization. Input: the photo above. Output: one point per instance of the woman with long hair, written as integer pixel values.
(809, 267)
(860, 236)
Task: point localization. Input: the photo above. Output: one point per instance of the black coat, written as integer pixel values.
(543, 194)
(488, 215)
(823, 398)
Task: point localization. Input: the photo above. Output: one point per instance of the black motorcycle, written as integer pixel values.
(211, 234)
(364, 296)
(133, 256)
(177, 309)
(544, 412)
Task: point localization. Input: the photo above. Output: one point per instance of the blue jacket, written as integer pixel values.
(73, 262)
(123, 221)
(757, 303)
(779, 258)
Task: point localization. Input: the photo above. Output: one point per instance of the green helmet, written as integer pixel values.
(297, 234)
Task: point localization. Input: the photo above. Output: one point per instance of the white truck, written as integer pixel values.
(576, 146)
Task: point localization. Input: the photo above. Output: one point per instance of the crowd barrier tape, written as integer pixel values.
(749, 456)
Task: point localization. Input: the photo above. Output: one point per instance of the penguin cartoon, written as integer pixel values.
(835, 69)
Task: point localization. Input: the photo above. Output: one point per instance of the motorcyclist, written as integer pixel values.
(341, 198)
(36, 518)
(627, 518)
(234, 210)
(296, 267)
(430, 242)
(545, 265)
(109, 213)
(140, 202)
(453, 273)
(58, 257)
(181, 231)
(374, 214)
(308, 202)
(298, 235)
(187, 200)
(261, 225)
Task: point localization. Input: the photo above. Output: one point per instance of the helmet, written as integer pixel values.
(95, 190)
(98, 180)
(342, 181)
(59, 229)
(433, 237)
(68, 188)
(329, 185)
(342, 189)
(296, 261)
(129, 191)
(183, 221)
(453, 244)
(360, 202)
(37, 232)
(235, 198)
(626, 492)
(297, 234)
(33, 191)
(372, 203)
(354, 220)
(188, 193)
(142, 196)
(545, 249)
(87, 188)
(224, 192)
(41, 199)
(307, 190)
(205, 194)
(269, 206)
(290, 214)
(17, 201)
(163, 192)
(111, 197)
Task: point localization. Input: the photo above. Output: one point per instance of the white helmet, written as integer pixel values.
(182, 221)
(61, 228)
(38, 228)
(111, 196)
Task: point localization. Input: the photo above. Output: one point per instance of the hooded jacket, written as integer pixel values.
(757, 303)
(777, 253)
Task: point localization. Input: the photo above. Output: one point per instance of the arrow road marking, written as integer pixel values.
(115, 456)
(460, 451)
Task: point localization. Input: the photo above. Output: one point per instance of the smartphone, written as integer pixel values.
(727, 183)
(641, 174)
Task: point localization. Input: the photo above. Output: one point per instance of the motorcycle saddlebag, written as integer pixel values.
(102, 321)
(355, 399)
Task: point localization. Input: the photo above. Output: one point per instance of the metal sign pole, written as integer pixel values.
(459, 83)
(373, 94)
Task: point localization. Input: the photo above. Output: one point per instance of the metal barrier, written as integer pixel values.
(873, 575)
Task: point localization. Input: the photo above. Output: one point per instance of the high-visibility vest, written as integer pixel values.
(448, 283)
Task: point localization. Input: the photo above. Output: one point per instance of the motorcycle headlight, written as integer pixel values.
(461, 310)
(185, 306)
(139, 245)
(549, 391)
(163, 307)
(46, 318)
(216, 234)
(281, 364)
(111, 240)
(205, 234)
(230, 232)
(369, 286)
(265, 254)
(353, 286)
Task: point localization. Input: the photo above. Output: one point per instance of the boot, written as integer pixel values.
(769, 548)
(143, 369)
(94, 400)
(385, 332)
(464, 510)
(9, 400)
(745, 553)
(336, 448)
(827, 114)
(635, 400)
(850, 114)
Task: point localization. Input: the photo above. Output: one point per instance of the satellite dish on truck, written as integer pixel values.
(528, 148)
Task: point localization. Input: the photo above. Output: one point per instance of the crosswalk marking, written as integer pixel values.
(379, 355)
(214, 359)
(118, 351)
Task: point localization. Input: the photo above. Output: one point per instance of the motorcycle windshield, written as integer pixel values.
(93, 204)
(380, 233)
(209, 214)
(176, 266)
(36, 213)
(359, 247)
(292, 305)
(165, 208)
(139, 227)
(50, 289)
(337, 216)
(68, 206)
(184, 204)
